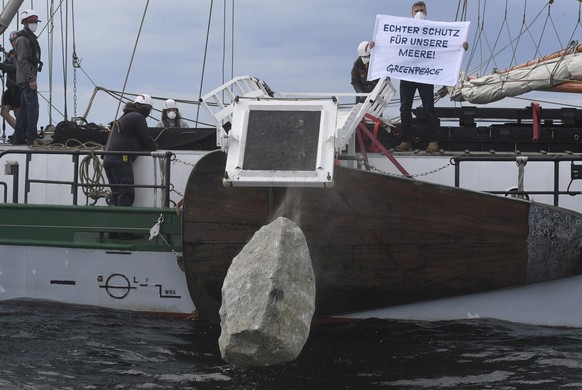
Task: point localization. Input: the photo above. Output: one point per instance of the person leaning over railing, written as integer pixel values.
(128, 133)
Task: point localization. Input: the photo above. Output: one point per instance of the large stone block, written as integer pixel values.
(268, 298)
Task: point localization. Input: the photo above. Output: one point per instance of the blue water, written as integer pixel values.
(53, 346)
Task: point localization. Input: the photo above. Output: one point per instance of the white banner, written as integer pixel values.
(418, 50)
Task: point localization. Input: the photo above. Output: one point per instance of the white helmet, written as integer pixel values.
(169, 104)
(30, 16)
(144, 99)
(364, 49)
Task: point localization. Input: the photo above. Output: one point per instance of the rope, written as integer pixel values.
(132, 57)
(483, 43)
(204, 59)
(97, 188)
(71, 144)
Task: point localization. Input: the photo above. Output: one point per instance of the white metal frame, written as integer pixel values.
(322, 175)
(218, 103)
(374, 105)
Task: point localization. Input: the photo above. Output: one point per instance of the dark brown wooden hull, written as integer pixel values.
(374, 240)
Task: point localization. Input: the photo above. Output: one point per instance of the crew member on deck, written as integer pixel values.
(129, 133)
(171, 116)
(28, 64)
(360, 72)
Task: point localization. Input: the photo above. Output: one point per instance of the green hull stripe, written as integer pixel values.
(91, 227)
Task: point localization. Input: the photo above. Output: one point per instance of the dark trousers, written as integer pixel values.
(119, 172)
(27, 118)
(426, 92)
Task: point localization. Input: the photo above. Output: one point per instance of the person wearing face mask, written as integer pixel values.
(426, 92)
(171, 116)
(28, 64)
(128, 133)
(360, 72)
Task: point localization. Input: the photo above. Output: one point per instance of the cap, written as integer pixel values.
(30, 16)
(364, 49)
(144, 99)
(169, 104)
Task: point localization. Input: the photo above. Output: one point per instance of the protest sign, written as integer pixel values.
(418, 50)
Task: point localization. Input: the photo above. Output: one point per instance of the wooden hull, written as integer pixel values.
(375, 240)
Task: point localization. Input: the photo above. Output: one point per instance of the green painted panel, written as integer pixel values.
(89, 227)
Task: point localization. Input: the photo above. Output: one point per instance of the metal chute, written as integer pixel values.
(8, 14)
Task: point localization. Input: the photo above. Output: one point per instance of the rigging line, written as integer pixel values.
(537, 45)
(50, 42)
(480, 36)
(204, 58)
(49, 27)
(64, 51)
(458, 8)
(526, 26)
(50, 18)
(50, 106)
(555, 29)
(523, 19)
(516, 39)
(549, 18)
(476, 39)
(132, 57)
(511, 38)
(539, 54)
(232, 42)
(76, 61)
(578, 24)
(223, 40)
(492, 53)
(85, 73)
(503, 24)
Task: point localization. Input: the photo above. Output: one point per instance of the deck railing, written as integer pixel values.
(555, 160)
(75, 182)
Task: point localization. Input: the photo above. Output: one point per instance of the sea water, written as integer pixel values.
(55, 346)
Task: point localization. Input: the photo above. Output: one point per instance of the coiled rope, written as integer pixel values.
(94, 186)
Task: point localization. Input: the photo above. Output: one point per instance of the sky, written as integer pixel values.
(294, 46)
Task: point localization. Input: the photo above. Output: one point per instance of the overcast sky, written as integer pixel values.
(295, 46)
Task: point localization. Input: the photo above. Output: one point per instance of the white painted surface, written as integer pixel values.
(555, 303)
(139, 281)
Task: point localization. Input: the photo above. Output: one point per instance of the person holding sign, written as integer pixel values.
(360, 72)
(420, 53)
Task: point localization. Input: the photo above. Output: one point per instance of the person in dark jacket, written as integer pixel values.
(11, 94)
(28, 64)
(360, 72)
(128, 133)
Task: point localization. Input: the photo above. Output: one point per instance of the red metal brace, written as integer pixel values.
(385, 152)
(536, 111)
